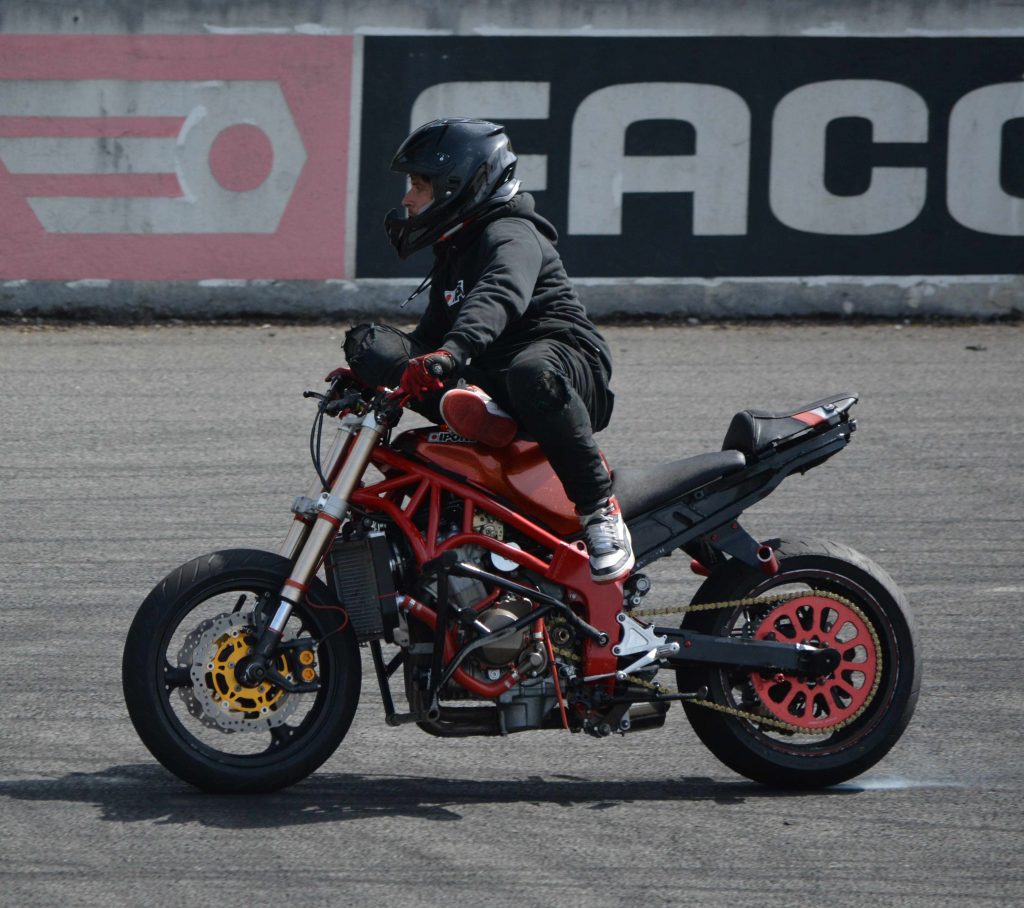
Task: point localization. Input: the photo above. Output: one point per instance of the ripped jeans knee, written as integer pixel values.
(552, 392)
(538, 388)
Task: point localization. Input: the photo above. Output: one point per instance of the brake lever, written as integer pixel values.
(397, 396)
(332, 404)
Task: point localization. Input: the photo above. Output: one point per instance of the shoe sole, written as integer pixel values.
(474, 426)
(619, 572)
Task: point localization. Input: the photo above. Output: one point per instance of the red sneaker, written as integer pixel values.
(472, 413)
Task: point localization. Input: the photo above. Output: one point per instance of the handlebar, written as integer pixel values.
(346, 390)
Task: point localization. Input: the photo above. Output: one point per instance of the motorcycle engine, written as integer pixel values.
(532, 701)
(507, 650)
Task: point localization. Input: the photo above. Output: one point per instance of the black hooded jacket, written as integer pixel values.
(498, 286)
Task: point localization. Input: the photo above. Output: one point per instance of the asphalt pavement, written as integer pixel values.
(126, 451)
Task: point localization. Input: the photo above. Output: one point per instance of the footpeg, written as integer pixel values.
(648, 658)
(669, 649)
(636, 637)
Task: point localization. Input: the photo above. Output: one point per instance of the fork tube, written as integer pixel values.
(332, 507)
(300, 525)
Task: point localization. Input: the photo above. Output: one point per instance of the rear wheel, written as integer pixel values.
(195, 715)
(796, 732)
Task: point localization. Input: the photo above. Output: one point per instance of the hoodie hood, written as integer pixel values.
(520, 205)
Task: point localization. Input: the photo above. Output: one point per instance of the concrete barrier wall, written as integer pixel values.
(699, 159)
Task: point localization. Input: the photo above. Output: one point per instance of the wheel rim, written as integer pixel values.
(734, 688)
(825, 702)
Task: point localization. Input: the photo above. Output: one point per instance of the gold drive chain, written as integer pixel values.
(572, 657)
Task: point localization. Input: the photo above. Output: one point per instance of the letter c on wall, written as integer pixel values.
(797, 191)
(973, 192)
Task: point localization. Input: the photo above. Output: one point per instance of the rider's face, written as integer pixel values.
(419, 195)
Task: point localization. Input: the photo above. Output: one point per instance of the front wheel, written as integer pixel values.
(797, 732)
(190, 709)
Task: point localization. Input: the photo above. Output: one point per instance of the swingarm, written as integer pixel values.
(744, 652)
(681, 647)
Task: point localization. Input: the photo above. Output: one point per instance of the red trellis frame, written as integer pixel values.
(568, 566)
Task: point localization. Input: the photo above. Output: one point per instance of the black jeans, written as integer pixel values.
(557, 393)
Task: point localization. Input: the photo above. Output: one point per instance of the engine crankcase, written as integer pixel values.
(507, 610)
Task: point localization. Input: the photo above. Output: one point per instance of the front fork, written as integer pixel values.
(307, 545)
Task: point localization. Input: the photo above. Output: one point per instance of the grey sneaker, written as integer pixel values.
(608, 542)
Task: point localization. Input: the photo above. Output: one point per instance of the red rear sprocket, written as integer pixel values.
(819, 703)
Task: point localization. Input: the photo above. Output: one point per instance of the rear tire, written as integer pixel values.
(805, 760)
(216, 734)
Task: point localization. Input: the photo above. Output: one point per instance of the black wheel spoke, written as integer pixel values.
(281, 736)
(177, 676)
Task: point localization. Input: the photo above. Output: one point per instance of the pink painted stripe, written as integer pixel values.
(97, 185)
(90, 127)
(132, 57)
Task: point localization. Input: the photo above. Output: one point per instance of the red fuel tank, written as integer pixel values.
(519, 474)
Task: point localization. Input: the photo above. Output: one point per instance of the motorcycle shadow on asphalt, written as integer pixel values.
(146, 793)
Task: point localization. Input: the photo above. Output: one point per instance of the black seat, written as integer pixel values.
(754, 431)
(640, 491)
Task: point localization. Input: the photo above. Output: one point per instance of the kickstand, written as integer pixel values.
(382, 681)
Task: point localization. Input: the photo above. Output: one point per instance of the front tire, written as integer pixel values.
(185, 702)
(844, 724)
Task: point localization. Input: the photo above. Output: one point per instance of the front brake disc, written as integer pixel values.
(216, 697)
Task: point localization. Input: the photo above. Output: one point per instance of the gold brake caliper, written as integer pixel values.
(307, 671)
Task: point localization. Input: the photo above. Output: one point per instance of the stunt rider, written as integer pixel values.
(503, 316)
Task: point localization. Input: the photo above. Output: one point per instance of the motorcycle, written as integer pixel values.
(795, 662)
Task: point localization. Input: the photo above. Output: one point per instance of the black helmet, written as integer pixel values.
(470, 165)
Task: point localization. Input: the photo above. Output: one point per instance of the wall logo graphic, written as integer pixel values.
(161, 158)
(731, 156)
